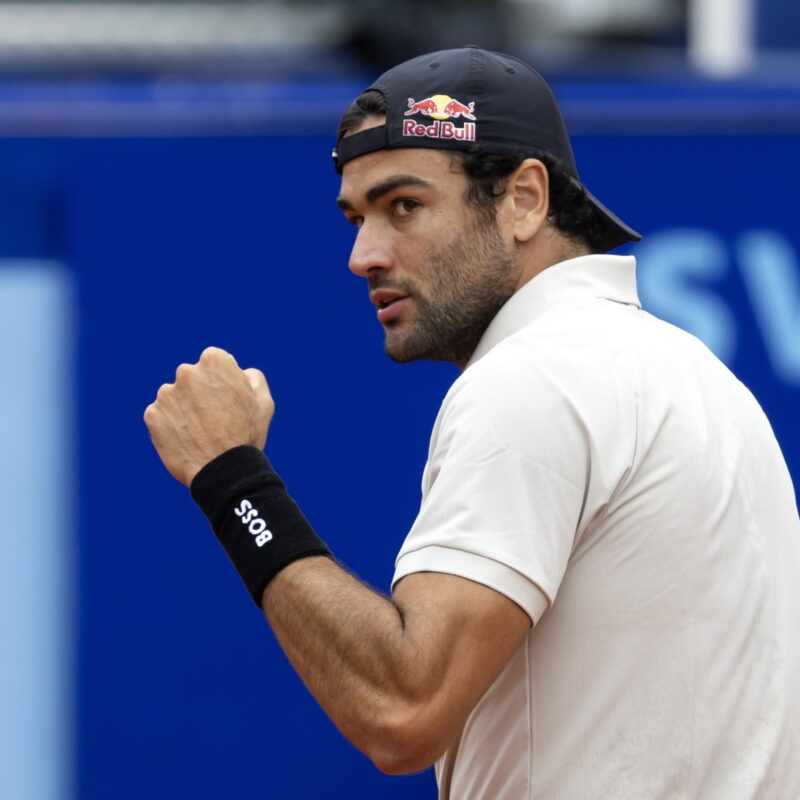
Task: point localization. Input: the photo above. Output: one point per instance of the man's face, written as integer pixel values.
(438, 269)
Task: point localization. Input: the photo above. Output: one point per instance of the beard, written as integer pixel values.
(469, 281)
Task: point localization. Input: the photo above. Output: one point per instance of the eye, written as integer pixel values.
(355, 221)
(404, 206)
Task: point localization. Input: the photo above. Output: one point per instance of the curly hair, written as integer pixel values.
(570, 211)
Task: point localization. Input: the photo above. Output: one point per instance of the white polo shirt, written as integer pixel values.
(603, 465)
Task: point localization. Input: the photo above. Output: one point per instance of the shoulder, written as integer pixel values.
(550, 367)
(551, 394)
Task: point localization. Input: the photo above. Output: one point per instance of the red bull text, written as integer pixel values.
(441, 108)
(440, 130)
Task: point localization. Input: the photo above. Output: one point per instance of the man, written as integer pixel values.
(599, 596)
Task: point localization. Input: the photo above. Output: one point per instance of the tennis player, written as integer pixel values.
(600, 595)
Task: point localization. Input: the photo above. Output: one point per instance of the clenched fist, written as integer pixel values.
(212, 406)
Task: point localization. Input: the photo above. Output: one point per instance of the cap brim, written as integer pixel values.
(614, 232)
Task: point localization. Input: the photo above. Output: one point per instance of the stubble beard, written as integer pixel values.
(471, 279)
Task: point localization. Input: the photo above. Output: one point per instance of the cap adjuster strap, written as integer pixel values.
(358, 144)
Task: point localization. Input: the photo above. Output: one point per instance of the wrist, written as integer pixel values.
(195, 467)
(259, 525)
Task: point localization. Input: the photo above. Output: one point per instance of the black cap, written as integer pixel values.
(460, 99)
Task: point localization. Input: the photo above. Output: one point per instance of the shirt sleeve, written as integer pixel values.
(505, 483)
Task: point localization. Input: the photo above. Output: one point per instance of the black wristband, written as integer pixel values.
(250, 511)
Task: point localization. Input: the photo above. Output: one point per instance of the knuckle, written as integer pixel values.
(183, 371)
(214, 354)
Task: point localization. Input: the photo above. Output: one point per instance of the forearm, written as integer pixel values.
(351, 646)
(396, 677)
(352, 650)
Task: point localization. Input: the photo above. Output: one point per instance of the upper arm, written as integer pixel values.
(502, 501)
(459, 635)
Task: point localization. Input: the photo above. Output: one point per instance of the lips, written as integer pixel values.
(389, 302)
(383, 298)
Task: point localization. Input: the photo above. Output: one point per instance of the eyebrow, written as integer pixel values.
(389, 185)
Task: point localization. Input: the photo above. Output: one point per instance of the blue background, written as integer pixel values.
(226, 233)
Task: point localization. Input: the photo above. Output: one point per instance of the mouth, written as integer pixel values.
(384, 298)
(388, 302)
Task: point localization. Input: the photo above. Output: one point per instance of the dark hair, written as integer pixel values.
(570, 210)
(368, 104)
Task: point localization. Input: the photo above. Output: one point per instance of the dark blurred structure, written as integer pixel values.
(779, 25)
(267, 37)
(567, 33)
(329, 40)
(384, 34)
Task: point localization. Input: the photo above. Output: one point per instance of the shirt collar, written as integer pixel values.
(604, 276)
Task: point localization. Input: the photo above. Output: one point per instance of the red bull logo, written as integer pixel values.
(441, 108)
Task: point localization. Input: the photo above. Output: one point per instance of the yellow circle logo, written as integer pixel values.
(441, 101)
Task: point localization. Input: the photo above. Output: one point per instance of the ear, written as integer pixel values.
(528, 189)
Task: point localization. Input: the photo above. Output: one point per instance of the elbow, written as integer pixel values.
(400, 760)
(406, 744)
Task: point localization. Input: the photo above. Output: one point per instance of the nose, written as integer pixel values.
(371, 252)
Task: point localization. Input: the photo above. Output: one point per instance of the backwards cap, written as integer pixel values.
(468, 97)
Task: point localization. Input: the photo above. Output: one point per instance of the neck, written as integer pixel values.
(548, 249)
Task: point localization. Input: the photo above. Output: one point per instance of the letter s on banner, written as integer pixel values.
(671, 264)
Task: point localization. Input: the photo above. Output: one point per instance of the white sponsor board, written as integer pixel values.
(37, 544)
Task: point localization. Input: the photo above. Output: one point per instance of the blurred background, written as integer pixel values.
(165, 184)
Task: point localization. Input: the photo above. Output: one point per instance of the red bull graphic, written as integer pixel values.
(441, 108)
(456, 109)
(427, 107)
